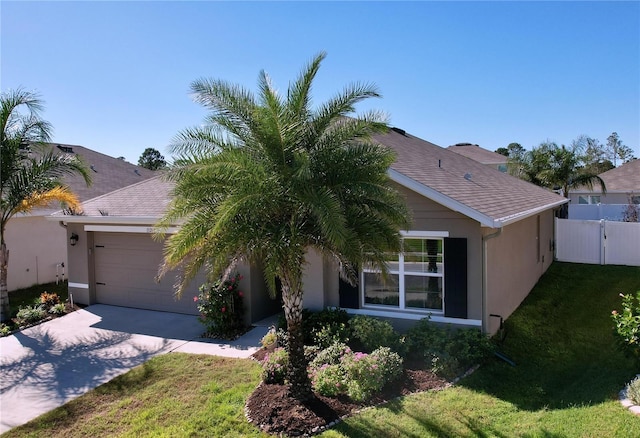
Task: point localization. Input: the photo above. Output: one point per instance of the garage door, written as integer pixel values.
(126, 265)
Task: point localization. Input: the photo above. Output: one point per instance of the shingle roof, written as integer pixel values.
(477, 153)
(625, 178)
(462, 184)
(148, 198)
(455, 181)
(107, 173)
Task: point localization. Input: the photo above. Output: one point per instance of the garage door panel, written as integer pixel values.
(126, 266)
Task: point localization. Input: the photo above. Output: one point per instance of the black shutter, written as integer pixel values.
(349, 295)
(455, 277)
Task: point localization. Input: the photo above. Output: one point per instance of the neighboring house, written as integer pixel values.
(621, 182)
(623, 187)
(37, 247)
(480, 241)
(484, 156)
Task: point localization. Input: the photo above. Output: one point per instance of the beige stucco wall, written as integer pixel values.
(36, 246)
(515, 261)
(608, 198)
(431, 216)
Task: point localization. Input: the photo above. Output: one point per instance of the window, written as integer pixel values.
(416, 277)
(589, 199)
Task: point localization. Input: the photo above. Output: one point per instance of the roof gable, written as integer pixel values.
(485, 194)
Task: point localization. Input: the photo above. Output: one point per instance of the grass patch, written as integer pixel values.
(28, 296)
(566, 381)
(171, 395)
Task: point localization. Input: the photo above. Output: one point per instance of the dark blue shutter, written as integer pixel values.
(455, 277)
(349, 295)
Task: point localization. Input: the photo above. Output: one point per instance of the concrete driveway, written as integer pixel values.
(45, 366)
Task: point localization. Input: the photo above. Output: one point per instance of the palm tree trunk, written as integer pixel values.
(5, 310)
(300, 385)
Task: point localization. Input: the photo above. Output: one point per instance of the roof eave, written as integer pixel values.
(442, 199)
(113, 220)
(528, 213)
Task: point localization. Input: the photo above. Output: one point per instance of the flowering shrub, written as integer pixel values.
(274, 366)
(355, 374)
(221, 308)
(627, 324)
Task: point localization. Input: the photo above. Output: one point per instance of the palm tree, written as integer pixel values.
(269, 177)
(29, 172)
(555, 167)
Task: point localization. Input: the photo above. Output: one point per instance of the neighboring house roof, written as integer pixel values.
(107, 173)
(477, 153)
(621, 179)
(482, 193)
(478, 191)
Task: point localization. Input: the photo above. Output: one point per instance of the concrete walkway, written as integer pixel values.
(45, 366)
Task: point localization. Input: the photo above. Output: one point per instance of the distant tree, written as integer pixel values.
(555, 167)
(512, 149)
(617, 150)
(631, 212)
(152, 159)
(594, 155)
(28, 180)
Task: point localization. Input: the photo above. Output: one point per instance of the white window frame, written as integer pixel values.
(434, 235)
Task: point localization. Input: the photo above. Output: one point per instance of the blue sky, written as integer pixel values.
(115, 75)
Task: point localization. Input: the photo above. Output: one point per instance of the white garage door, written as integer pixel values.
(126, 266)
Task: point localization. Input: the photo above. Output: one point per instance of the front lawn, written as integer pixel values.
(566, 381)
(565, 384)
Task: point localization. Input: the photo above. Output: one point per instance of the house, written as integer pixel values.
(480, 241)
(37, 247)
(621, 182)
(623, 187)
(484, 156)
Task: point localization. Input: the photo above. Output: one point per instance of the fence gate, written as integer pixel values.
(598, 242)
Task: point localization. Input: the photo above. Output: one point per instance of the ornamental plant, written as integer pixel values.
(274, 366)
(627, 325)
(354, 374)
(221, 308)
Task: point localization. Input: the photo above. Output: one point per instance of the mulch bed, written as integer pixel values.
(272, 409)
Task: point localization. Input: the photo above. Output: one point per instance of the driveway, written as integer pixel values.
(45, 366)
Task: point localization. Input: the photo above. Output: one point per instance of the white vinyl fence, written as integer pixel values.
(598, 242)
(611, 212)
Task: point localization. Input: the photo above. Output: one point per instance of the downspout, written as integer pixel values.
(485, 312)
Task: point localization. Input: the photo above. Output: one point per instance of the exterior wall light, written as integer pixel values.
(73, 239)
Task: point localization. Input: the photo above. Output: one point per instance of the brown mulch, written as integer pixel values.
(272, 409)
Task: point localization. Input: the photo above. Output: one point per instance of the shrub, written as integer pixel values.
(330, 355)
(58, 309)
(274, 366)
(338, 370)
(627, 325)
(269, 339)
(282, 338)
(5, 330)
(373, 333)
(448, 352)
(49, 299)
(323, 328)
(30, 314)
(633, 391)
(221, 308)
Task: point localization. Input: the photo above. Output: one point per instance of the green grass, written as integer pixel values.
(566, 381)
(175, 395)
(29, 295)
(565, 384)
